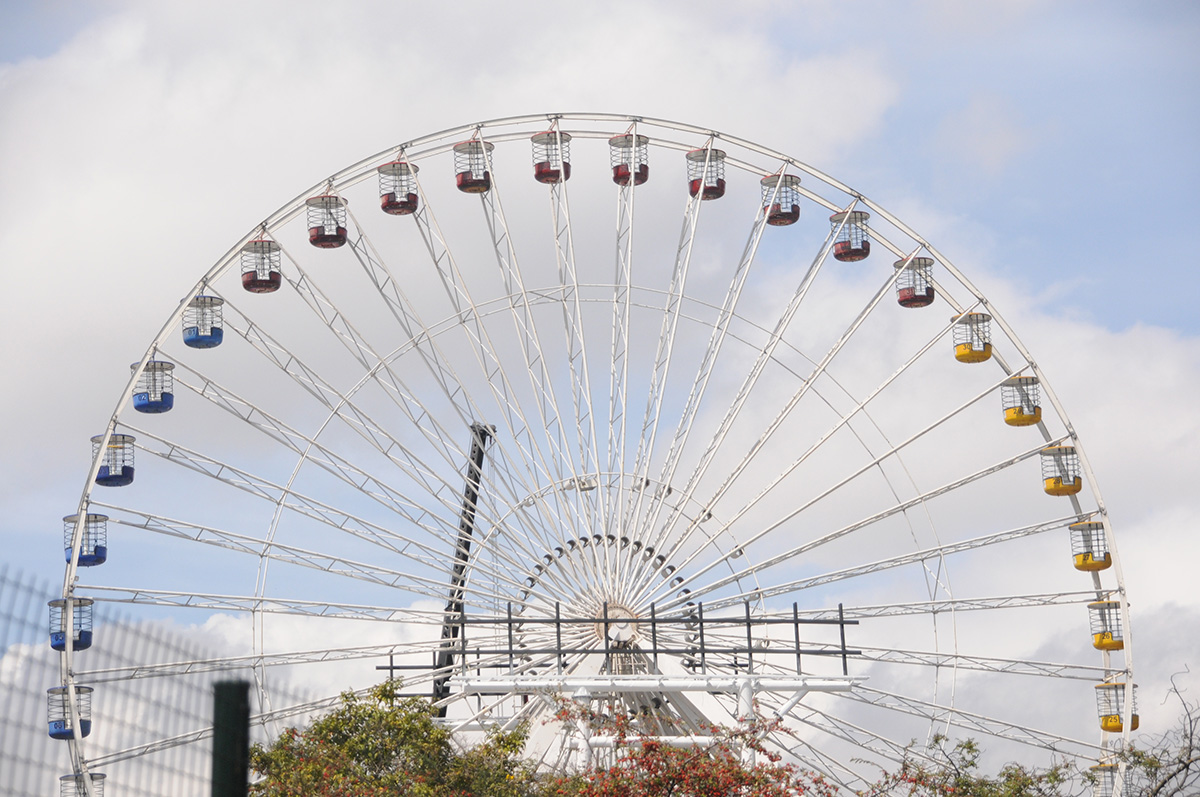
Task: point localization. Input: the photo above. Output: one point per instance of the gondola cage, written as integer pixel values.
(629, 157)
(914, 285)
(551, 157)
(260, 266)
(203, 323)
(1061, 471)
(1089, 546)
(79, 610)
(972, 337)
(1021, 396)
(154, 391)
(853, 241)
(1105, 617)
(472, 174)
(706, 173)
(398, 188)
(59, 711)
(1110, 706)
(1105, 778)
(75, 786)
(781, 199)
(93, 550)
(326, 221)
(116, 467)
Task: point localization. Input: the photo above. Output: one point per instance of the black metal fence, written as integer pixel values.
(131, 715)
(729, 643)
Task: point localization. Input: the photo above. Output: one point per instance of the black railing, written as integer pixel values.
(696, 653)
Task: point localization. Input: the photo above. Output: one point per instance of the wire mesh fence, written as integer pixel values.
(151, 723)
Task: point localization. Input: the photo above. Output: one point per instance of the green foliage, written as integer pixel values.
(953, 771)
(381, 745)
(645, 767)
(1169, 764)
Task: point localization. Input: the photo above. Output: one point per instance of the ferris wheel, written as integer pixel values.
(618, 410)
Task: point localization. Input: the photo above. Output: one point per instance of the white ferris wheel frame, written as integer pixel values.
(665, 135)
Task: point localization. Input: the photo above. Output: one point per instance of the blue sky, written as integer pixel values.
(1049, 146)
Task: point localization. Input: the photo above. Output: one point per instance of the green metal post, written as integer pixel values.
(231, 739)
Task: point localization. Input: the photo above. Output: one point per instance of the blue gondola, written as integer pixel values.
(116, 469)
(154, 392)
(93, 549)
(202, 327)
(59, 715)
(192, 336)
(81, 624)
(114, 477)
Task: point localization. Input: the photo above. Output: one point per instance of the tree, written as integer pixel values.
(646, 766)
(382, 745)
(1169, 764)
(953, 771)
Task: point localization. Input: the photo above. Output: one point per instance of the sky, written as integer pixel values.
(1049, 145)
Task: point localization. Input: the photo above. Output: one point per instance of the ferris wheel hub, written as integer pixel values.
(622, 625)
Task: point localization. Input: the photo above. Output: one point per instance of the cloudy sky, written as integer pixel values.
(1048, 146)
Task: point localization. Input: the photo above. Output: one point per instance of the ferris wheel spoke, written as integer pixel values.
(538, 550)
(969, 721)
(436, 360)
(765, 355)
(327, 313)
(789, 744)
(576, 348)
(595, 516)
(847, 417)
(294, 501)
(342, 407)
(550, 416)
(305, 446)
(192, 737)
(444, 492)
(240, 603)
(716, 339)
(1028, 601)
(280, 552)
(915, 558)
(795, 399)
(403, 310)
(861, 738)
(536, 463)
(618, 375)
(249, 603)
(537, 540)
(1067, 670)
(834, 772)
(700, 381)
(671, 313)
(377, 366)
(899, 507)
(443, 260)
(235, 663)
(203, 734)
(470, 315)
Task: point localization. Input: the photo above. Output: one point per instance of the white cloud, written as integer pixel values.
(987, 134)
